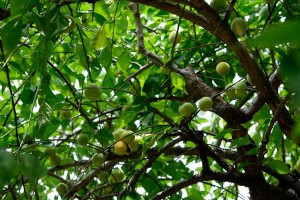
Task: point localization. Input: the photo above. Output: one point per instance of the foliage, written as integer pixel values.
(123, 46)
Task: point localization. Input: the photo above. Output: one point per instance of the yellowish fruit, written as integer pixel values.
(117, 134)
(82, 139)
(205, 103)
(172, 37)
(240, 89)
(222, 68)
(62, 188)
(230, 91)
(134, 145)
(218, 5)
(187, 109)
(239, 26)
(55, 160)
(117, 175)
(121, 148)
(98, 159)
(92, 92)
(127, 136)
(50, 151)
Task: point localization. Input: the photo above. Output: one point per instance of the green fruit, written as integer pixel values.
(117, 175)
(298, 166)
(127, 136)
(230, 91)
(65, 114)
(72, 24)
(134, 145)
(218, 5)
(103, 176)
(223, 68)
(240, 89)
(98, 159)
(106, 190)
(82, 139)
(92, 92)
(249, 80)
(50, 151)
(165, 71)
(172, 37)
(187, 109)
(55, 160)
(121, 148)
(205, 103)
(62, 188)
(239, 26)
(117, 134)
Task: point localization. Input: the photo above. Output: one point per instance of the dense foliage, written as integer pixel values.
(100, 99)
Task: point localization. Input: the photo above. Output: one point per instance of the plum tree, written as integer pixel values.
(82, 139)
(205, 103)
(92, 91)
(222, 68)
(239, 26)
(173, 38)
(116, 73)
(187, 109)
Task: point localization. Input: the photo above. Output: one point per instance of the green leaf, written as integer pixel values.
(106, 56)
(240, 141)
(178, 81)
(159, 105)
(27, 96)
(194, 194)
(81, 55)
(223, 133)
(99, 39)
(123, 62)
(18, 7)
(277, 165)
(10, 39)
(8, 167)
(286, 32)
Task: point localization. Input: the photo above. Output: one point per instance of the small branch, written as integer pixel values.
(137, 174)
(265, 141)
